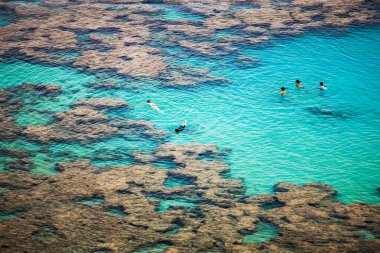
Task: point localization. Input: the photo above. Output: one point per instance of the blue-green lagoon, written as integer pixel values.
(93, 134)
(272, 139)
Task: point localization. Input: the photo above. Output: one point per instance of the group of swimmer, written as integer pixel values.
(184, 123)
(155, 107)
(300, 86)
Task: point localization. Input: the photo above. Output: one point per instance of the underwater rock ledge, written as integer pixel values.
(103, 37)
(190, 207)
(52, 217)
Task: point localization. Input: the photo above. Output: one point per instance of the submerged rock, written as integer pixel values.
(86, 123)
(16, 153)
(9, 106)
(79, 124)
(118, 40)
(208, 49)
(8, 128)
(220, 214)
(187, 76)
(102, 103)
(327, 112)
(307, 220)
(42, 89)
(19, 164)
(138, 156)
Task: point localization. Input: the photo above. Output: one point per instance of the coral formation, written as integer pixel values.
(119, 39)
(74, 210)
(54, 218)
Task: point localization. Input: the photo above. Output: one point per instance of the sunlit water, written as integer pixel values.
(331, 137)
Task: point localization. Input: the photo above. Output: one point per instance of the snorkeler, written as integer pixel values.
(283, 92)
(322, 86)
(153, 105)
(182, 127)
(299, 84)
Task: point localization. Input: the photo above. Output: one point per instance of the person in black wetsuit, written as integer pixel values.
(182, 127)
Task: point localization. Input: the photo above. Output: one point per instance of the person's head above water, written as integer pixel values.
(283, 88)
(321, 84)
(297, 81)
(148, 101)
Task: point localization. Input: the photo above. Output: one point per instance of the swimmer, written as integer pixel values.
(182, 127)
(322, 86)
(283, 92)
(299, 84)
(153, 105)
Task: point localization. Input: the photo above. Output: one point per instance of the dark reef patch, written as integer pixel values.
(117, 211)
(19, 164)
(271, 205)
(44, 233)
(329, 113)
(212, 211)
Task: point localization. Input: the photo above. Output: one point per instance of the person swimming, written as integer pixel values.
(322, 86)
(181, 127)
(153, 105)
(299, 84)
(283, 91)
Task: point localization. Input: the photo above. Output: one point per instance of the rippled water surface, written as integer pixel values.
(330, 136)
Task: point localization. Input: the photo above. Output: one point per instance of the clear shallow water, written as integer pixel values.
(272, 139)
(275, 139)
(173, 182)
(176, 12)
(264, 232)
(166, 204)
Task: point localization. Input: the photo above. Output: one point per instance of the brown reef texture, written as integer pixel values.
(55, 214)
(40, 31)
(53, 217)
(86, 121)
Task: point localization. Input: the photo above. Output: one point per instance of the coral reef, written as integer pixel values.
(52, 216)
(8, 106)
(102, 103)
(74, 210)
(119, 39)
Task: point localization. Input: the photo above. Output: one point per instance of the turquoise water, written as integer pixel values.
(275, 139)
(329, 136)
(166, 204)
(176, 12)
(30, 3)
(92, 201)
(365, 235)
(264, 232)
(174, 231)
(7, 217)
(4, 21)
(174, 181)
(2, 190)
(14, 215)
(116, 211)
(155, 248)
